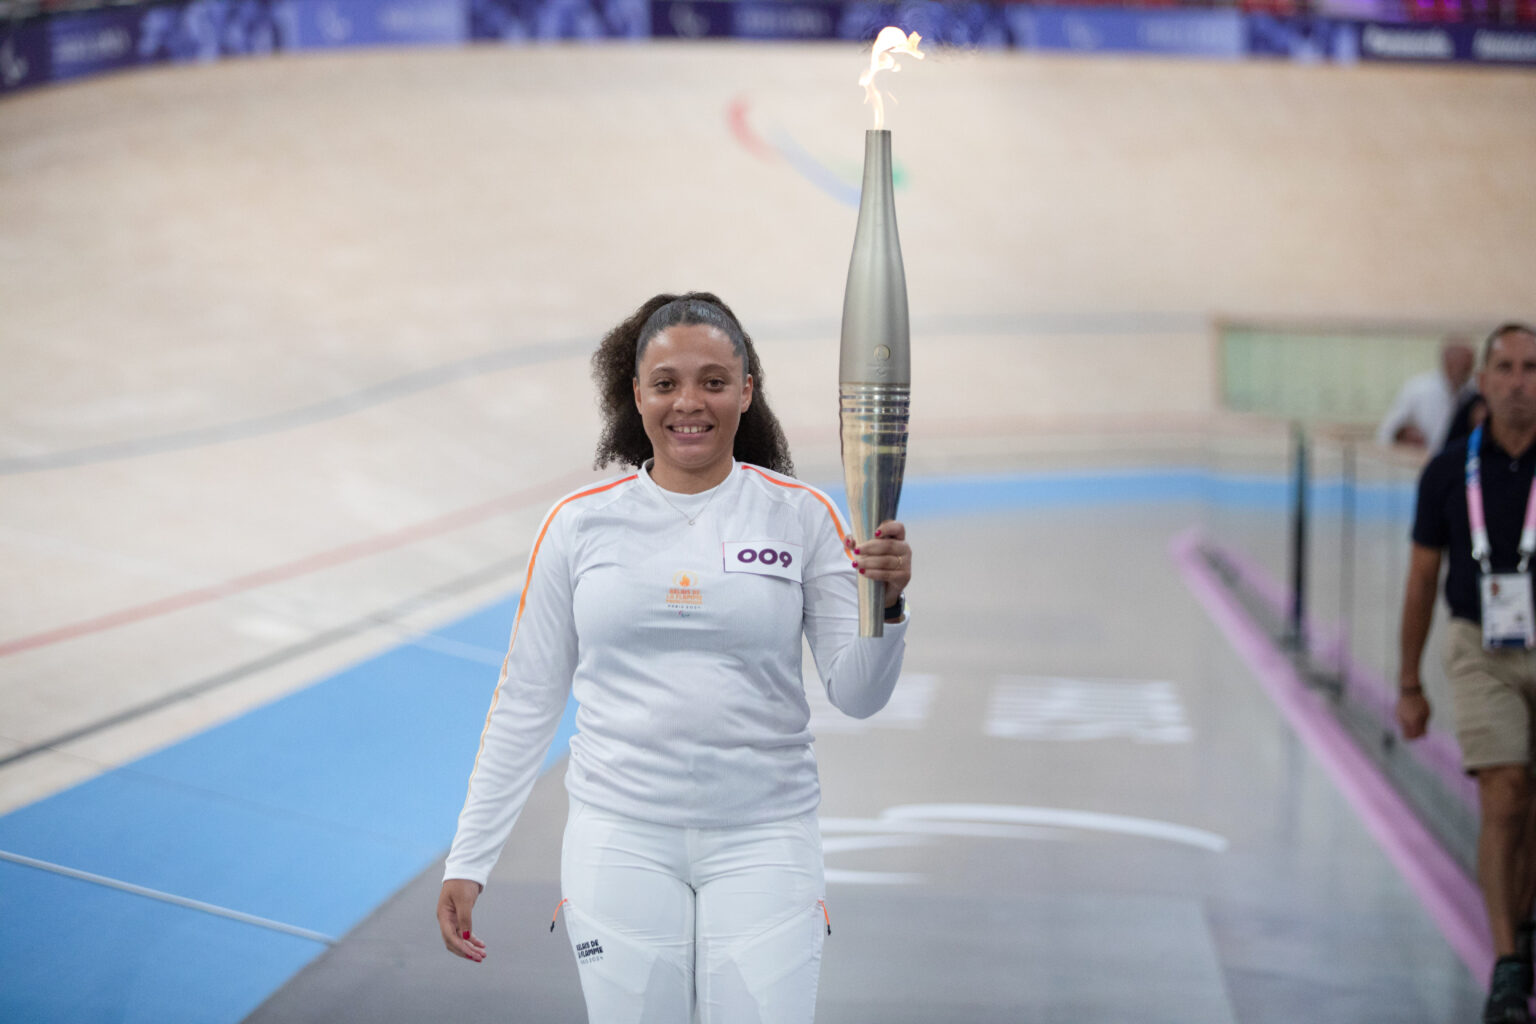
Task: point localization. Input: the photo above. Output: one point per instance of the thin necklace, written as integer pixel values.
(695, 517)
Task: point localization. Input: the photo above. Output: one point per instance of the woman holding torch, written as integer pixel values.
(672, 602)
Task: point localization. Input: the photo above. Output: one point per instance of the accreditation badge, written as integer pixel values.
(1507, 610)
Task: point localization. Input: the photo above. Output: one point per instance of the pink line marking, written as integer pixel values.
(1437, 751)
(299, 567)
(1452, 899)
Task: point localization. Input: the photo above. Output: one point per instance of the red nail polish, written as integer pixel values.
(466, 935)
(855, 565)
(856, 551)
(878, 533)
(861, 572)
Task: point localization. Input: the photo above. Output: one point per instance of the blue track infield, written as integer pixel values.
(189, 885)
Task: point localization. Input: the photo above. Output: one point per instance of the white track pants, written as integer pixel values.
(709, 925)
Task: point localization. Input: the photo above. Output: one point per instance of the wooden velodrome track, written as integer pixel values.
(294, 350)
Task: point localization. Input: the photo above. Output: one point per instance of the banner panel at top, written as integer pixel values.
(517, 21)
(71, 45)
(92, 42)
(682, 19)
(1501, 46)
(1306, 40)
(1440, 44)
(201, 30)
(774, 19)
(1433, 43)
(1093, 30)
(974, 25)
(325, 24)
(24, 55)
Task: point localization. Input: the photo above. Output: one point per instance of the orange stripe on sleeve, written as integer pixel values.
(522, 602)
(832, 512)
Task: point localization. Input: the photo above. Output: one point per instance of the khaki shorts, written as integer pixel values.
(1493, 695)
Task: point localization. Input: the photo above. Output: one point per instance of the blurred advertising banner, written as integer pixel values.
(41, 48)
(972, 25)
(76, 45)
(327, 24)
(1116, 30)
(1481, 44)
(518, 21)
(1344, 42)
(24, 55)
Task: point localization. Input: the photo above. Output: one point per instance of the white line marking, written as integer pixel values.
(969, 830)
(1054, 708)
(882, 842)
(908, 825)
(925, 815)
(165, 897)
(842, 877)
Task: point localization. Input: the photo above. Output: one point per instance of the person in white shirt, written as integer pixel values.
(671, 602)
(1421, 413)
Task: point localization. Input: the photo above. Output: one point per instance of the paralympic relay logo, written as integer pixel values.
(684, 595)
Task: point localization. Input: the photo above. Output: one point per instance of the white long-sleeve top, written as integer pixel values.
(682, 645)
(1427, 402)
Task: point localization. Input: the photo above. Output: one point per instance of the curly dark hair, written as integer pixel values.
(759, 437)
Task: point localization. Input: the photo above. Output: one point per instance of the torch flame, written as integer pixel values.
(891, 40)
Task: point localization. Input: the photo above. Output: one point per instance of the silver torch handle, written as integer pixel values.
(875, 372)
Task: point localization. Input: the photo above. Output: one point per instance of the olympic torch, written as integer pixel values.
(875, 371)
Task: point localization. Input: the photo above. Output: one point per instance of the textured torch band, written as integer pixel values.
(874, 423)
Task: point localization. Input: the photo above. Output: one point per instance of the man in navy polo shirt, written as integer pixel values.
(1476, 505)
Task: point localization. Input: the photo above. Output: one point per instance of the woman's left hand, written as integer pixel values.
(885, 557)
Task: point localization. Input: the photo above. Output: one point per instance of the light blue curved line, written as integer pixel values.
(815, 171)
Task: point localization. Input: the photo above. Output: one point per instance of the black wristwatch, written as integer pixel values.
(894, 612)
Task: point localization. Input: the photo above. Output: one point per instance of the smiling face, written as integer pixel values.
(691, 390)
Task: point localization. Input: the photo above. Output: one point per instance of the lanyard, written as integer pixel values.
(1480, 546)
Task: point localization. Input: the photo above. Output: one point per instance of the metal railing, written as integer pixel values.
(1323, 568)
